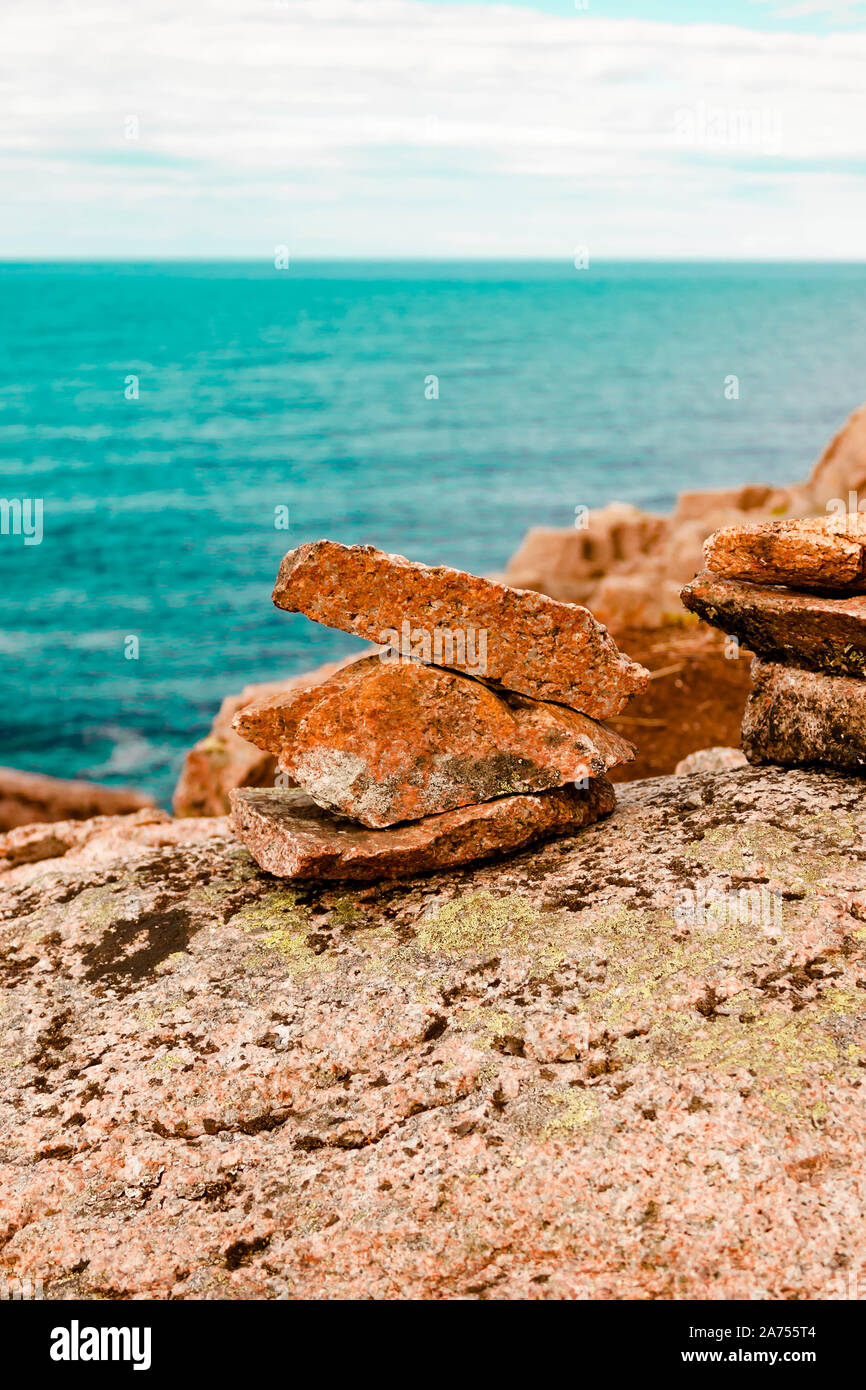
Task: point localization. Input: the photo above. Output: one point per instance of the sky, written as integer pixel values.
(141, 129)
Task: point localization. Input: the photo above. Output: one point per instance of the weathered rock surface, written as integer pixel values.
(533, 1079)
(826, 552)
(223, 760)
(695, 698)
(573, 561)
(291, 837)
(29, 797)
(840, 473)
(628, 566)
(811, 630)
(711, 760)
(800, 718)
(391, 741)
(272, 723)
(520, 640)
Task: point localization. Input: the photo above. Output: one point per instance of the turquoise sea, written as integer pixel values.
(260, 389)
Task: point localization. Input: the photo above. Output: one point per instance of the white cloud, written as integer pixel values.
(383, 127)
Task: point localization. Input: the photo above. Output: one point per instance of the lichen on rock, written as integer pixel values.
(538, 1077)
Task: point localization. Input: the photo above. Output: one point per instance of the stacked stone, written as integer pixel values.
(475, 729)
(794, 593)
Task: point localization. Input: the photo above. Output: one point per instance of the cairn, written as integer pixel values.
(794, 594)
(474, 730)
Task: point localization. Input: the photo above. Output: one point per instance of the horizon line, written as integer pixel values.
(449, 259)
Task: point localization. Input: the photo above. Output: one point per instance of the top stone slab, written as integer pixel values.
(515, 638)
(816, 552)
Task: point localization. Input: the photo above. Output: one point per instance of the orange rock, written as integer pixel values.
(827, 552)
(290, 836)
(821, 633)
(523, 641)
(101, 836)
(222, 760)
(839, 476)
(386, 741)
(694, 506)
(272, 723)
(28, 798)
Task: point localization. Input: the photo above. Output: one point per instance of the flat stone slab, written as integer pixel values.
(291, 837)
(272, 723)
(804, 718)
(222, 760)
(391, 741)
(534, 1078)
(519, 639)
(826, 552)
(811, 630)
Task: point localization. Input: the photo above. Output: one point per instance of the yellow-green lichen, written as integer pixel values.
(282, 924)
(735, 849)
(645, 965)
(212, 744)
(100, 906)
(483, 921)
(165, 967)
(209, 894)
(782, 1050)
(669, 618)
(642, 957)
(842, 824)
(489, 1024)
(574, 1110)
(150, 1013)
(169, 1061)
(345, 913)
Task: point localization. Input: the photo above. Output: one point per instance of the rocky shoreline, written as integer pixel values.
(628, 567)
(27, 798)
(369, 1037)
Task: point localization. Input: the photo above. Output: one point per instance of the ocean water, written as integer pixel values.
(265, 394)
